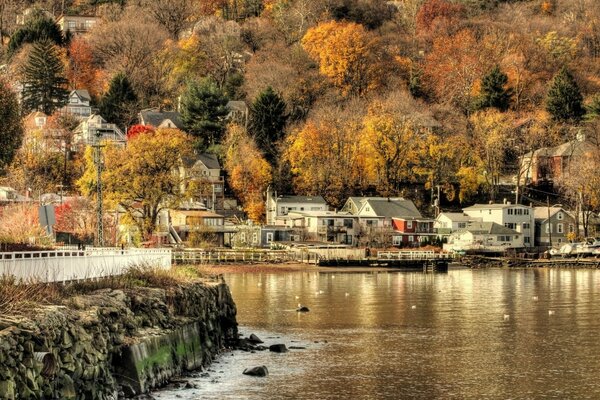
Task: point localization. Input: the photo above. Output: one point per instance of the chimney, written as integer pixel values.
(505, 200)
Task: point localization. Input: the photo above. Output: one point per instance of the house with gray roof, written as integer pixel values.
(278, 207)
(78, 104)
(513, 216)
(484, 237)
(448, 222)
(160, 119)
(552, 225)
(204, 172)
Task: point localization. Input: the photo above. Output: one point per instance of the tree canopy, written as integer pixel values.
(11, 129)
(267, 122)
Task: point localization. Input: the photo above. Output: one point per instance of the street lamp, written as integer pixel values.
(98, 162)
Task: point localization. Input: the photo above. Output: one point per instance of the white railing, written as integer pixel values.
(413, 255)
(68, 265)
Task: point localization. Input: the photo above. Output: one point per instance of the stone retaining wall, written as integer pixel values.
(114, 342)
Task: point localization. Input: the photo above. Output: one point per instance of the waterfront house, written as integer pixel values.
(513, 216)
(324, 226)
(552, 225)
(412, 231)
(483, 237)
(448, 222)
(195, 224)
(260, 236)
(278, 207)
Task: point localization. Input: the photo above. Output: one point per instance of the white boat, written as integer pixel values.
(567, 249)
(587, 247)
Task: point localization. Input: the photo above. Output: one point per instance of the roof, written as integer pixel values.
(457, 217)
(543, 213)
(155, 118)
(494, 206)
(301, 199)
(568, 149)
(384, 207)
(318, 214)
(198, 213)
(83, 94)
(210, 160)
(489, 228)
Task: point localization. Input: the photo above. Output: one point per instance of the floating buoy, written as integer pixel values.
(506, 317)
(297, 297)
(414, 307)
(346, 294)
(550, 312)
(535, 298)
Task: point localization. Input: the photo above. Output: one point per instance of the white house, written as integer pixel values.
(278, 207)
(448, 222)
(204, 171)
(95, 128)
(160, 119)
(484, 237)
(325, 226)
(513, 216)
(78, 104)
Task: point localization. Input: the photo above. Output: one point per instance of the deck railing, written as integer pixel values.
(68, 265)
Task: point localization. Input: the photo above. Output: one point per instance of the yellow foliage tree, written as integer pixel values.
(389, 142)
(326, 158)
(249, 173)
(143, 178)
(347, 54)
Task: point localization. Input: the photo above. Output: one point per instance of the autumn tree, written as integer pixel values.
(173, 15)
(82, 72)
(203, 111)
(142, 178)
(348, 55)
(324, 156)
(11, 130)
(249, 173)
(438, 15)
(267, 122)
(494, 92)
(389, 142)
(119, 103)
(564, 100)
(44, 81)
(453, 66)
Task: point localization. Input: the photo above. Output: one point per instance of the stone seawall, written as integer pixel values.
(114, 342)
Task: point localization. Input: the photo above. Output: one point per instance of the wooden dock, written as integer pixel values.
(413, 260)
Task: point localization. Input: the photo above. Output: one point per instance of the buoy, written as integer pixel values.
(320, 292)
(535, 298)
(550, 312)
(506, 317)
(414, 307)
(297, 297)
(346, 294)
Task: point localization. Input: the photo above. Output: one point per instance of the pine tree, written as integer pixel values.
(203, 111)
(119, 103)
(44, 81)
(564, 100)
(11, 129)
(494, 93)
(38, 28)
(268, 121)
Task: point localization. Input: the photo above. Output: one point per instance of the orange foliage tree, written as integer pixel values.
(249, 173)
(347, 54)
(82, 72)
(438, 15)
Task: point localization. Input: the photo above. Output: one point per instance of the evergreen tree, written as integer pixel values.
(268, 121)
(11, 129)
(38, 28)
(119, 103)
(203, 111)
(593, 109)
(494, 92)
(44, 81)
(564, 100)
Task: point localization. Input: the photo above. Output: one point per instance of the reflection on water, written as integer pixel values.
(483, 334)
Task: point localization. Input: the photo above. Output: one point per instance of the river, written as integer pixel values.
(465, 334)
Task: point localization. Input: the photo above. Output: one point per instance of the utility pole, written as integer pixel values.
(98, 162)
(549, 222)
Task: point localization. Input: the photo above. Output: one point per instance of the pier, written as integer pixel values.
(413, 260)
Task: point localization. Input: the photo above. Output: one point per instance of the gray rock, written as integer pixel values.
(254, 339)
(303, 309)
(278, 348)
(261, 371)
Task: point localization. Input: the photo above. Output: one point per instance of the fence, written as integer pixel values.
(218, 256)
(68, 265)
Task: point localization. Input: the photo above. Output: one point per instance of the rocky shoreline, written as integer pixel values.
(481, 262)
(115, 343)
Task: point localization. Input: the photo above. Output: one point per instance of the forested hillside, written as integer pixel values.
(345, 96)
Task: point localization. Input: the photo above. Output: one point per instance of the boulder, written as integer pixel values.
(254, 339)
(261, 371)
(278, 348)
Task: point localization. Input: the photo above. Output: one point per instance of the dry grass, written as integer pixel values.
(19, 298)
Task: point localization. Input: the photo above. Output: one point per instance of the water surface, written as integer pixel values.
(467, 334)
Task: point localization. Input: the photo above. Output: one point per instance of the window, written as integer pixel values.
(559, 228)
(409, 225)
(74, 100)
(269, 237)
(461, 225)
(510, 211)
(72, 24)
(348, 223)
(549, 228)
(504, 238)
(559, 216)
(243, 237)
(526, 225)
(411, 239)
(367, 209)
(519, 211)
(510, 225)
(397, 240)
(255, 237)
(571, 228)
(526, 212)
(527, 239)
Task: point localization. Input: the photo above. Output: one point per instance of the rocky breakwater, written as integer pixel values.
(114, 343)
